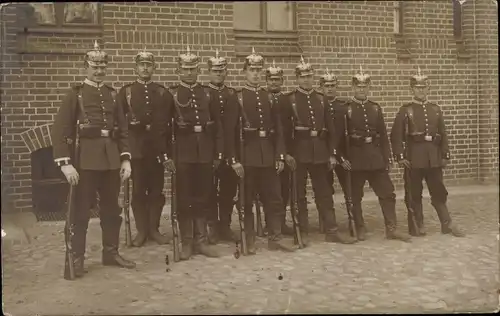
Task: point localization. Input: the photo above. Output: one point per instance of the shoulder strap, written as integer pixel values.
(162, 90)
(240, 101)
(349, 111)
(321, 100)
(173, 91)
(271, 99)
(207, 95)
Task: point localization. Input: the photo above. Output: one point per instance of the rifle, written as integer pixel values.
(348, 194)
(173, 205)
(413, 221)
(260, 230)
(69, 264)
(293, 209)
(126, 212)
(241, 197)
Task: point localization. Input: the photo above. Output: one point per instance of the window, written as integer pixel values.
(61, 15)
(457, 18)
(264, 17)
(398, 17)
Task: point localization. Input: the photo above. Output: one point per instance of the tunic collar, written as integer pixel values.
(252, 88)
(362, 102)
(420, 102)
(211, 85)
(144, 82)
(191, 87)
(307, 92)
(93, 83)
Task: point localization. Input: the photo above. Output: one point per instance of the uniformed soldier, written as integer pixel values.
(328, 85)
(199, 150)
(104, 157)
(274, 80)
(368, 156)
(264, 154)
(224, 99)
(147, 105)
(427, 156)
(309, 134)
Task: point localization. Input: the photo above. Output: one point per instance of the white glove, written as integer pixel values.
(71, 174)
(125, 170)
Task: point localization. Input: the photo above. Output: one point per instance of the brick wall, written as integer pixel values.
(340, 35)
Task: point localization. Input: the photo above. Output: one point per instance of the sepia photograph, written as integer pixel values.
(250, 157)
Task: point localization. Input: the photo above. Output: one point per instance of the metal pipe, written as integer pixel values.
(477, 94)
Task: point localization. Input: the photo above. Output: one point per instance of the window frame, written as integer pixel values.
(458, 26)
(264, 32)
(61, 26)
(399, 14)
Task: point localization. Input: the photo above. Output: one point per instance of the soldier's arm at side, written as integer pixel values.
(280, 149)
(161, 124)
(384, 138)
(332, 137)
(445, 150)
(286, 120)
(230, 123)
(397, 134)
(122, 137)
(219, 133)
(63, 129)
(339, 134)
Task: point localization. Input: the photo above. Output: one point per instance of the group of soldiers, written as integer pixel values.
(217, 139)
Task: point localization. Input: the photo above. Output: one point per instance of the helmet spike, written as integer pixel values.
(96, 45)
(253, 50)
(274, 64)
(419, 73)
(302, 59)
(361, 70)
(327, 71)
(188, 50)
(216, 53)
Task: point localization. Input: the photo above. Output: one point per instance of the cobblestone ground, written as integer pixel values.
(437, 273)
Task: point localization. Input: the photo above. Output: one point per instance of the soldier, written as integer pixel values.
(199, 147)
(328, 85)
(224, 99)
(104, 157)
(310, 144)
(147, 105)
(274, 80)
(428, 155)
(368, 156)
(264, 154)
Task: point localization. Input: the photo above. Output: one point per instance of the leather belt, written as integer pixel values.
(95, 132)
(359, 140)
(253, 132)
(138, 126)
(195, 128)
(426, 138)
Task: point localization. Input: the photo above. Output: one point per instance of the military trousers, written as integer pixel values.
(437, 190)
(148, 198)
(223, 194)
(266, 182)
(322, 195)
(381, 183)
(107, 184)
(341, 176)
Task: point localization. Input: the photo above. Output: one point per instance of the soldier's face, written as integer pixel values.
(361, 92)
(254, 76)
(274, 84)
(330, 89)
(217, 76)
(96, 73)
(189, 75)
(305, 82)
(420, 93)
(145, 70)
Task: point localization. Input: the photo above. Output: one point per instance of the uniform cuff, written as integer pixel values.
(125, 156)
(162, 158)
(399, 157)
(334, 152)
(232, 161)
(281, 157)
(447, 156)
(219, 156)
(62, 161)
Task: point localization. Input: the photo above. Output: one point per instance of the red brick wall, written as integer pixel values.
(340, 35)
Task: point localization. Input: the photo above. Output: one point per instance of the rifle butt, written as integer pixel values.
(260, 230)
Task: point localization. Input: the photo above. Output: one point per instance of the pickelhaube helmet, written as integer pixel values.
(361, 79)
(217, 62)
(96, 57)
(303, 69)
(253, 61)
(274, 72)
(419, 80)
(144, 57)
(328, 78)
(188, 60)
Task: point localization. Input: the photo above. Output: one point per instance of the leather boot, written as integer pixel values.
(186, 232)
(225, 233)
(141, 225)
(201, 244)
(154, 221)
(392, 233)
(213, 232)
(250, 233)
(419, 219)
(339, 237)
(447, 227)
(275, 240)
(110, 241)
(453, 230)
(77, 266)
(359, 222)
(304, 227)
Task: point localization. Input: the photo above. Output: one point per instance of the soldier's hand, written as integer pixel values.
(169, 165)
(71, 174)
(389, 166)
(404, 163)
(346, 164)
(216, 164)
(290, 162)
(444, 162)
(238, 168)
(125, 170)
(332, 163)
(280, 165)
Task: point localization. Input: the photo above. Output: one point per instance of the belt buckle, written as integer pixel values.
(198, 128)
(262, 134)
(428, 138)
(368, 140)
(314, 133)
(104, 133)
(148, 127)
